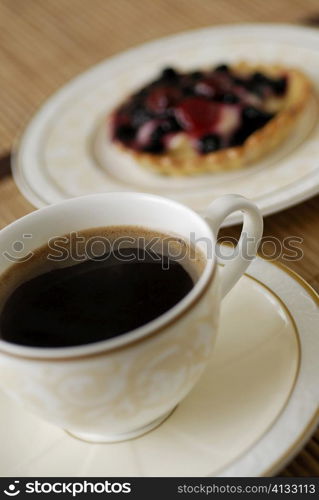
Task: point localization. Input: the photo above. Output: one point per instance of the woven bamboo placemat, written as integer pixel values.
(44, 43)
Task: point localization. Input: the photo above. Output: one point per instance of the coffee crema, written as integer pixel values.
(94, 285)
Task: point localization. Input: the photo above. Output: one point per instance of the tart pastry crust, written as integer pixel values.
(182, 159)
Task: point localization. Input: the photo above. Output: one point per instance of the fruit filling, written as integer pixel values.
(216, 109)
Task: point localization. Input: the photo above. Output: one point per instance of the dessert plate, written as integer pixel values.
(63, 152)
(253, 409)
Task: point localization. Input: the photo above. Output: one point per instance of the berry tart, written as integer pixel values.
(212, 120)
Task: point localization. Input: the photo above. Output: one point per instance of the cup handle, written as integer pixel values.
(250, 235)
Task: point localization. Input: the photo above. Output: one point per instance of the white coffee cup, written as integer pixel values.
(119, 388)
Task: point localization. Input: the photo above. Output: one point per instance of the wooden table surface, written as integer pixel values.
(45, 43)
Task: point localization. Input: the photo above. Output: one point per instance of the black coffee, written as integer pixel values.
(96, 299)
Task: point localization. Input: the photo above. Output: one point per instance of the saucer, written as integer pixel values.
(253, 409)
(64, 152)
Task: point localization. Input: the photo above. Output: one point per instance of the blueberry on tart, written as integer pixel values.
(211, 120)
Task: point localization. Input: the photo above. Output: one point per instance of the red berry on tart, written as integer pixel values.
(211, 120)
